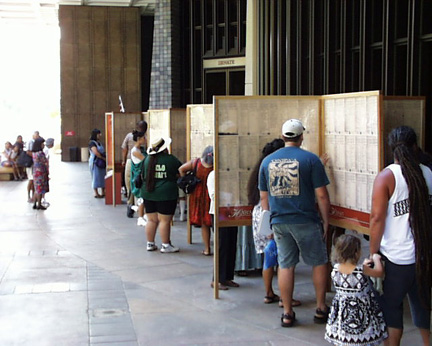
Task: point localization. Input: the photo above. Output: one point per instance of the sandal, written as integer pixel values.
(205, 253)
(231, 283)
(289, 317)
(320, 316)
(221, 287)
(294, 303)
(271, 299)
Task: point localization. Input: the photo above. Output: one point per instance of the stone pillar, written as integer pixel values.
(165, 86)
(251, 85)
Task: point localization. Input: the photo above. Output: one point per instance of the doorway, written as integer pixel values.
(223, 82)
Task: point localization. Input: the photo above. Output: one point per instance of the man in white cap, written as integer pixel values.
(291, 182)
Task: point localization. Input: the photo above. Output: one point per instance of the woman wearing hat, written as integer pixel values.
(40, 172)
(160, 193)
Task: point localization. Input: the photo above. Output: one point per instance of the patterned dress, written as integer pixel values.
(40, 172)
(355, 317)
(199, 200)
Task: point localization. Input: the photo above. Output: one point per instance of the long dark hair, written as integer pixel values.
(94, 133)
(137, 134)
(252, 186)
(403, 142)
(151, 170)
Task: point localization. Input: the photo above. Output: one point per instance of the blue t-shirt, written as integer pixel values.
(290, 175)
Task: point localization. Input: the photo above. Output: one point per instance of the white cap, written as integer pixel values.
(292, 128)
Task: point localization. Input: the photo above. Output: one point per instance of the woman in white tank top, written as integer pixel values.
(401, 230)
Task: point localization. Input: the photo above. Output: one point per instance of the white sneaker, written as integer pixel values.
(151, 247)
(141, 221)
(169, 248)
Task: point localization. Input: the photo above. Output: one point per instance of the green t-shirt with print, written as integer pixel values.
(166, 174)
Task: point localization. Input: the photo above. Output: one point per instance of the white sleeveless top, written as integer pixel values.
(135, 159)
(397, 243)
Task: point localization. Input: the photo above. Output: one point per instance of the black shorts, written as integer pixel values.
(401, 281)
(161, 207)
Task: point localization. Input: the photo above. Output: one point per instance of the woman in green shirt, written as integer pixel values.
(160, 193)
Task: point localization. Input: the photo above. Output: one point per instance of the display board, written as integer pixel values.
(200, 129)
(199, 135)
(117, 126)
(406, 110)
(352, 139)
(351, 128)
(169, 123)
(244, 124)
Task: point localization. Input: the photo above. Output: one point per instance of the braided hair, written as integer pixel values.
(253, 193)
(403, 143)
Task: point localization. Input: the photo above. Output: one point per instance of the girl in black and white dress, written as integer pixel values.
(355, 317)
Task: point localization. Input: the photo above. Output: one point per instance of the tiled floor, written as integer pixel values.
(78, 274)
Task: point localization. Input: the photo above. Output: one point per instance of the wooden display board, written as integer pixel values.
(403, 110)
(200, 129)
(169, 123)
(244, 124)
(117, 126)
(199, 135)
(352, 129)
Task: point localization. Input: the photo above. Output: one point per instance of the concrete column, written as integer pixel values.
(165, 85)
(251, 78)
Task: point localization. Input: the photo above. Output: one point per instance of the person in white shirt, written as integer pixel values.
(401, 231)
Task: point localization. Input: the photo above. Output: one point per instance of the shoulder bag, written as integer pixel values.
(189, 181)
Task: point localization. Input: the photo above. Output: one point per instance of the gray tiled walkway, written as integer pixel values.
(78, 274)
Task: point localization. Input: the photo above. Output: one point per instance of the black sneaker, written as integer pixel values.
(130, 212)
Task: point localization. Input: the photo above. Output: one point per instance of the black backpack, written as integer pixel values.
(189, 182)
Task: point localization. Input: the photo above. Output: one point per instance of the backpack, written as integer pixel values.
(189, 181)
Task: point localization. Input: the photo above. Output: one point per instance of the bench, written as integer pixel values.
(6, 173)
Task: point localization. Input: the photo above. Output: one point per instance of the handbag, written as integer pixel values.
(189, 181)
(99, 162)
(24, 160)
